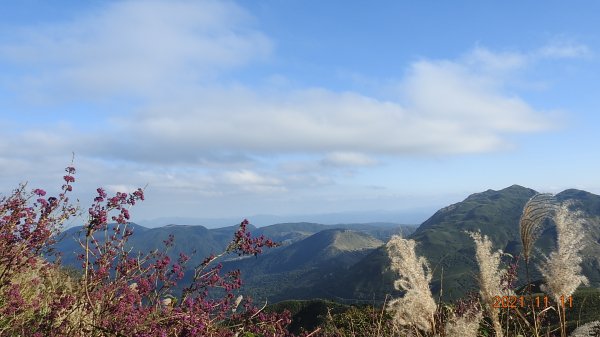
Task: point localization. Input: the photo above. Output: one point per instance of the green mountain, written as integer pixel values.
(204, 241)
(187, 240)
(292, 271)
(451, 252)
(442, 238)
(589, 204)
(287, 233)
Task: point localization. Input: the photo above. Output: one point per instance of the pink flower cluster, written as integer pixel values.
(117, 293)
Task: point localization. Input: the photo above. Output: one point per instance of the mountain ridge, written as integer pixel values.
(305, 267)
(442, 239)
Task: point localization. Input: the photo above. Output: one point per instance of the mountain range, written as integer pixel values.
(443, 240)
(348, 262)
(203, 242)
(415, 215)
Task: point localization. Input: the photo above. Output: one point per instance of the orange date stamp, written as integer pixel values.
(508, 302)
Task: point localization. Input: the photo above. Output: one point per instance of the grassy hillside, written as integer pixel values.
(292, 232)
(451, 253)
(293, 271)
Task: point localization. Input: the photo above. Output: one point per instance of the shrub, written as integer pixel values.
(117, 293)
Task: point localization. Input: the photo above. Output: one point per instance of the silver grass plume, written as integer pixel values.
(464, 326)
(417, 308)
(490, 277)
(536, 210)
(591, 329)
(562, 269)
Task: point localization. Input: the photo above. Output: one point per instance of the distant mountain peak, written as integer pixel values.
(516, 187)
(512, 189)
(573, 192)
(184, 226)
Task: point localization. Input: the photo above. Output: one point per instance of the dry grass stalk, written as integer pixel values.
(465, 326)
(562, 269)
(536, 210)
(490, 277)
(417, 308)
(587, 330)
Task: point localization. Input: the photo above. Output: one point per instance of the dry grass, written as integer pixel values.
(490, 277)
(465, 326)
(587, 330)
(417, 308)
(536, 210)
(562, 269)
(39, 288)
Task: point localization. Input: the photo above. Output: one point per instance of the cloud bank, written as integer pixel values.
(169, 69)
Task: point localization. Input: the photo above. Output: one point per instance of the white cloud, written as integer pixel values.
(114, 188)
(495, 61)
(564, 49)
(443, 107)
(463, 100)
(191, 131)
(164, 52)
(248, 178)
(140, 47)
(348, 159)
(499, 63)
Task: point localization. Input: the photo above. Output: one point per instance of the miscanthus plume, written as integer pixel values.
(562, 270)
(417, 307)
(463, 326)
(490, 277)
(587, 330)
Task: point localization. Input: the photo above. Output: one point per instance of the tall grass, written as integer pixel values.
(562, 269)
(490, 278)
(417, 308)
(419, 315)
(537, 209)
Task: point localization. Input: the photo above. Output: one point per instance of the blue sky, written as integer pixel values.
(228, 109)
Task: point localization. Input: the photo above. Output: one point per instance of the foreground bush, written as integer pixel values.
(117, 293)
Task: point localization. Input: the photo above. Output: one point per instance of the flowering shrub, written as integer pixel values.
(117, 293)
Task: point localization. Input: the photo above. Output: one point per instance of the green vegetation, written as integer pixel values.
(292, 271)
(349, 264)
(442, 240)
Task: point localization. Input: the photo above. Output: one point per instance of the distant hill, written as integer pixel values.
(442, 239)
(206, 241)
(187, 239)
(292, 271)
(291, 232)
(260, 220)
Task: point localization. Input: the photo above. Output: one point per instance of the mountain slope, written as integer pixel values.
(450, 251)
(589, 204)
(292, 271)
(442, 238)
(295, 231)
(205, 241)
(187, 240)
